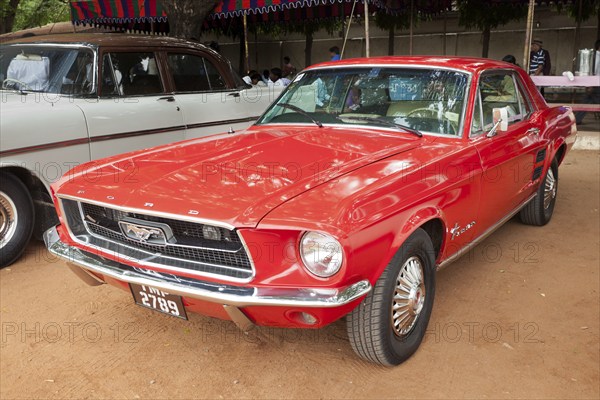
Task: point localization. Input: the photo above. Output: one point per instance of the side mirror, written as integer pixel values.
(500, 118)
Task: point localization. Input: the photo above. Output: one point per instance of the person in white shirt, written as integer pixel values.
(275, 78)
(256, 80)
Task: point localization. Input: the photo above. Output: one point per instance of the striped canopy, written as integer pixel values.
(115, 12)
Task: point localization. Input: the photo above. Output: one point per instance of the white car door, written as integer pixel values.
(133, 111)
(210, 103)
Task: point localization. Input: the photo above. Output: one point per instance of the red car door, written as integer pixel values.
(508, 156)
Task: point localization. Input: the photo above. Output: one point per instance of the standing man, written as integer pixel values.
(539, 59)
(334, 52)
(288, 69)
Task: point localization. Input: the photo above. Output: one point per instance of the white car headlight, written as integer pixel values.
(321, 254)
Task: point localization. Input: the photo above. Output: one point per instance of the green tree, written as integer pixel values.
(8, 12)
(486, 15)
(32, 13)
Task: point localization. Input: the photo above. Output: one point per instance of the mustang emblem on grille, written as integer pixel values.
(143, 234)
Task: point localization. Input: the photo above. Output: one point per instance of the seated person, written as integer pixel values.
(353, 100)
(506, 92)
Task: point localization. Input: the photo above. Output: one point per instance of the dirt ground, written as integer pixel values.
(518, 317)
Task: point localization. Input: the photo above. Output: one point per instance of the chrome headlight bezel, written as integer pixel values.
(322, 255)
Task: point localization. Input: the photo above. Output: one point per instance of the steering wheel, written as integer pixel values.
(423, 112)
(8, 80)
(430, 114)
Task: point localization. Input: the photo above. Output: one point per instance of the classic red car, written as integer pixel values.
(355, 186)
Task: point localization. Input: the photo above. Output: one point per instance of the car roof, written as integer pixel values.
(108, 39)
(467, 64)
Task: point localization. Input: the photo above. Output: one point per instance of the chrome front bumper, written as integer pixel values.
(227, 295)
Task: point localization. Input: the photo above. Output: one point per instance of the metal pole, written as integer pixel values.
(366, 3)
(577, 44)
(445, 31)
(348, 29)
(246, 63)
(528, 34)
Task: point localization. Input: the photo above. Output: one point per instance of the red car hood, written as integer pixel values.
(235, 179)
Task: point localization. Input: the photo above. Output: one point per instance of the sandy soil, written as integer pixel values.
(516, 318)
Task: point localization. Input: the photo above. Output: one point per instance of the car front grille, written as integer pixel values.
(186, 245)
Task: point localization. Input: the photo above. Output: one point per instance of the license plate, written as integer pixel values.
(158, 300)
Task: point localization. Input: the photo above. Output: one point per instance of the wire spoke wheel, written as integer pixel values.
(549, 189)
(8, 219)
(409, 296)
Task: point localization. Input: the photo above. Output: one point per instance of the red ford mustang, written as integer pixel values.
(356, 185)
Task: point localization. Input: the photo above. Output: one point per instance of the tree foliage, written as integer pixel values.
(481, 14)
(486, 15)
(588, 9)
(33, 13)
(8, 11)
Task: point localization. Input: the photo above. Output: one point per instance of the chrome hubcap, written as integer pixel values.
(8, 219)
(409, 296)
(549, 189)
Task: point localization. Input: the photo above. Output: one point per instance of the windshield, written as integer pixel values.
(47, 69)
(429, 100)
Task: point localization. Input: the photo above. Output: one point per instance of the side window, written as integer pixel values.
(130, 74)
(477, 123)
(524, 102)
(192, 73)
(499, 90)
(214, 77)
(112, 84)
(80, 77)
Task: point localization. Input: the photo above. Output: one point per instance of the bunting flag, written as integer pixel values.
(237, 8)
(285, 11)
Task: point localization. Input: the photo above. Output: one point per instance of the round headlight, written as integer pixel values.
(321, 254)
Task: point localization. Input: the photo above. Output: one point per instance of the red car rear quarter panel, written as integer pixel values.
(374, 209)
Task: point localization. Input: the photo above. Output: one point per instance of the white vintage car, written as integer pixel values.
(69, 99)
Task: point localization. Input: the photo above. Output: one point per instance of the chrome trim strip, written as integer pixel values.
(484, 235)
(391, 65)
(208, 291)
(152, 256)
(178, 217)
(222, 122)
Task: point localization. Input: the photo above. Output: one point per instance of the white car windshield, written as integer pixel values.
(47, 69)
(429, 100)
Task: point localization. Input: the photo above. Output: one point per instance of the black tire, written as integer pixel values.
(370, 327)
(540, 209)
(16, 218)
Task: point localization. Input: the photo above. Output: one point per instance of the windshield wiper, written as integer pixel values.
(301, 111)
(383, 121)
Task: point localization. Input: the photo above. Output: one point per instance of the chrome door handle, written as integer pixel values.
(535, 131)
(166, 98)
